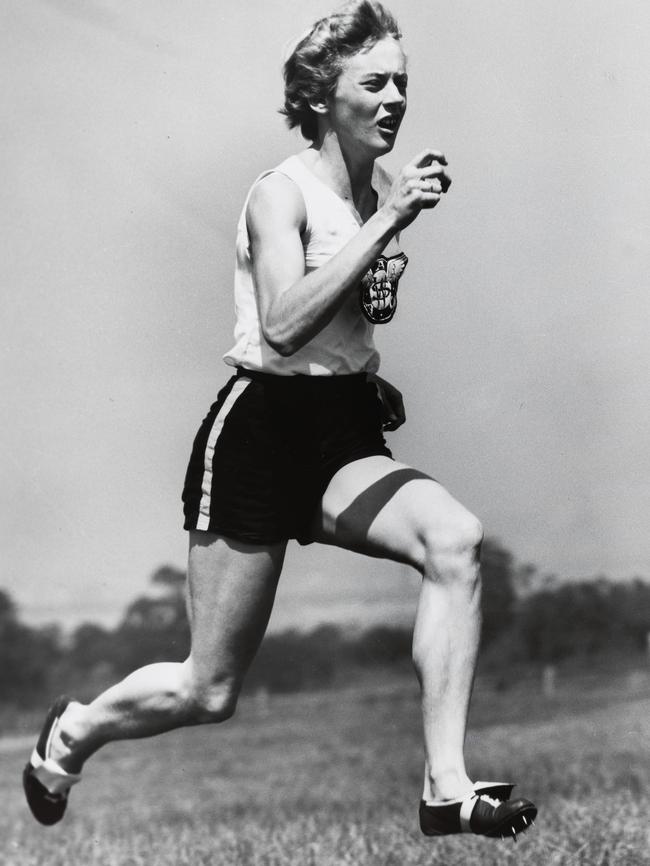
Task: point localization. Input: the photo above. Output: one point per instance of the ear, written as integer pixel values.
(319, 106)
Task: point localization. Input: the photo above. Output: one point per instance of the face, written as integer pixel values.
(370, 98)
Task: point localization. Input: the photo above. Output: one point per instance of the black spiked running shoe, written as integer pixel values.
(485, 811)
(45, 783)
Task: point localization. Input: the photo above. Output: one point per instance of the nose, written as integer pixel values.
(393, 95)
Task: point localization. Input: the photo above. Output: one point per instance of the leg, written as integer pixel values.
(231, 588)
(383, 508)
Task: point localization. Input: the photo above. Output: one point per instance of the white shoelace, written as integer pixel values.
(492, 801)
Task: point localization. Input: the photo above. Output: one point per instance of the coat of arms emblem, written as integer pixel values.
(379, 288)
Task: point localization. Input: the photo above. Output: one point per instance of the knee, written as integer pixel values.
(453, 551)
(211, 702)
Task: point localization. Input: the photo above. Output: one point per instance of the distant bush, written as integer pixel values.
(27, 656)
(585, 618)
(292, 661)
(498, 597)
(381, 645)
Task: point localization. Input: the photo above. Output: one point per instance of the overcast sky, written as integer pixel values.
(132, 132)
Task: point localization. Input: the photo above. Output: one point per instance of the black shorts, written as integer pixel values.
(269, 447)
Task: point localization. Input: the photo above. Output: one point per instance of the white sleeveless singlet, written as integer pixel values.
(345, 345)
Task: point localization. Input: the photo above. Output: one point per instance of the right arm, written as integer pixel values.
(295, 306)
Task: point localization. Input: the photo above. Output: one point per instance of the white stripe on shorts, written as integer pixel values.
(238, 389)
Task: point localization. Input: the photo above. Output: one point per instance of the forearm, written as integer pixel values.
(296, 315)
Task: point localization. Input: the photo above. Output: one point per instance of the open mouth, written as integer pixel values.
(389, 123)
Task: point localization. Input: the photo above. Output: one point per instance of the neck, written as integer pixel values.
(349, 174)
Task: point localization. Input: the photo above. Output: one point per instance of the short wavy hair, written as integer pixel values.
(312, 69)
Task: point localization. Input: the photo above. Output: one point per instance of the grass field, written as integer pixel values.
(334, 778)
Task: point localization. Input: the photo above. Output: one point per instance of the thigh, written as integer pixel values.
(231, 588)
(387, 509)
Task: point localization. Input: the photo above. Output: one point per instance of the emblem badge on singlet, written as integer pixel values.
(378, 293)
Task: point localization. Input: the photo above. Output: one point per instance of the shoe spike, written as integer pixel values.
(514, 834)
(525, 820)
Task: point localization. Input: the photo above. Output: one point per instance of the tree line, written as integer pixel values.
(527, 619)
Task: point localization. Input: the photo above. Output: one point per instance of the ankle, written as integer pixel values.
(450, 784)
(67, 743)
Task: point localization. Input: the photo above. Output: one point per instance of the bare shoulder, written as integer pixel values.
(275, 202)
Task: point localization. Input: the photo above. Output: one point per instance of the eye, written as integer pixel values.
(374, 84)
(401, 82)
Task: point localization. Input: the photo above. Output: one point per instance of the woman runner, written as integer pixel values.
(293, 446)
